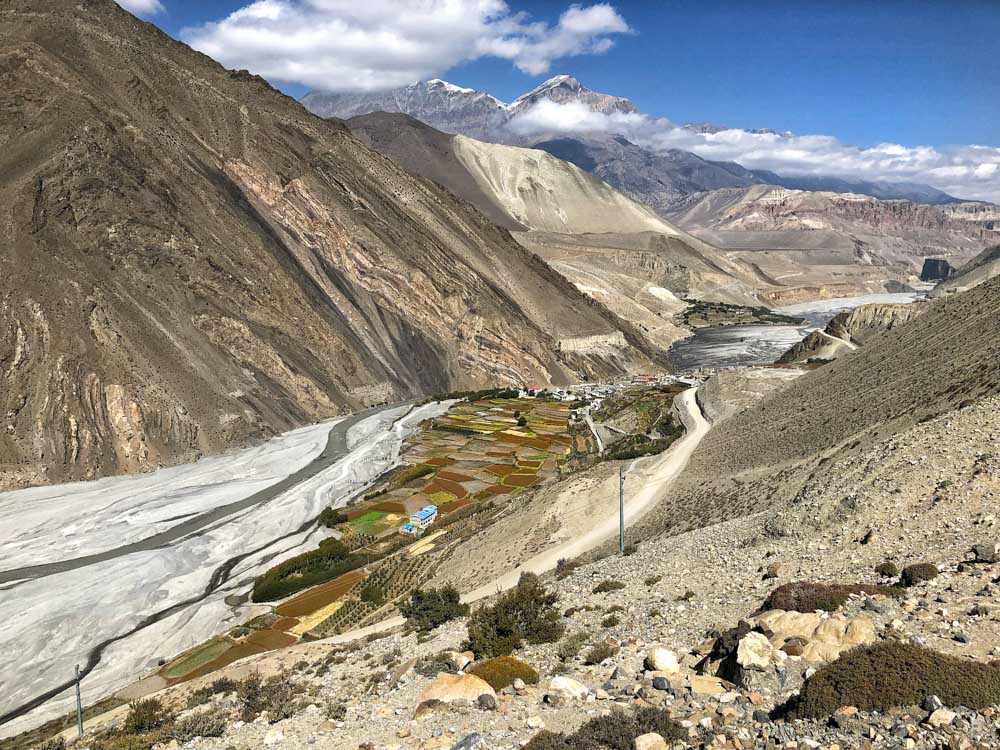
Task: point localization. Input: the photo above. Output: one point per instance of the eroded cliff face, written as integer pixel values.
(192, 262)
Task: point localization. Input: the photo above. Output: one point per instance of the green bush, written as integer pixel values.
(891, 674)
(887, 570)
(609, 585)
(801, 596)
(526, 613)
(373, 593)
(145, 715)
(615, 731)
(210, 723)
(599, 652)
(571, 645)
(429, 609)
(303, 571)
(610, 621)
(501, 672)
(331, 517)
(276, 696)
(918, 573)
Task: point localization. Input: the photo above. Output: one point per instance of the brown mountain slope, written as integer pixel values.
(945, 358)
(192, 261)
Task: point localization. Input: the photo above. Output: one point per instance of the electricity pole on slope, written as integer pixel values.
(621, 509)
(79, 706)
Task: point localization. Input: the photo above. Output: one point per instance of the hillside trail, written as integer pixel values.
(653, 479)
(838, 340)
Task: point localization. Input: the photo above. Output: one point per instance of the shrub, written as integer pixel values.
(503, 670)
(429, 609)
(373, 594)
(336, 711)
(892, 673)
(204, 694)
(608, 585)
(144, 716)
(653, 580)
(522, 421)
(525, 613)
(433, 665)
(887, 570)
(210, 723)
(331, 517)
(276, 696)
(615, 731)
(565, 567)
(610, 621)
(808, 597)
(52, 743)
(599, 652)
(571, 645)
(630, 549)
(918, 573)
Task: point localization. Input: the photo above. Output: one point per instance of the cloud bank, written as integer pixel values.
(370, 45)
(963, 171)
(142, 7)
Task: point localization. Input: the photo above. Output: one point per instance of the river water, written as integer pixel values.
(729, 346)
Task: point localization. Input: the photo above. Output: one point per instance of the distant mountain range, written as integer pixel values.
(653, 177)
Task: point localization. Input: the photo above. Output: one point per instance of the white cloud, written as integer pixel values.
(963, 171)
(142, 7)
(367, 45)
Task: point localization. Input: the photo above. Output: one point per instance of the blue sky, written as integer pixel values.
(910, 72)
(851, 76)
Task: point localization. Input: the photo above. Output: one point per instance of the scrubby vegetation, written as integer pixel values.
(599, 652)
(609, 585)
(145, 715)
(210, 723)
(309, 569)
(565, 568)
(615, 731)
(610, 621)
(331, 517)
(571, 645)
(204, 694)
(918, 573)
(525, 614)
(501, 672)
(887, 569)
(891, 674)
(802, 596)
(431, 608)
(276, 696)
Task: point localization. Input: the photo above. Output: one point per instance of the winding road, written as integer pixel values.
(654, 478)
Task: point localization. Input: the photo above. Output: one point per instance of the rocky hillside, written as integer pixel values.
(982, 268)
(849, 330)
(765, 456)
(195, 261)
(657, 179)
(895, 234)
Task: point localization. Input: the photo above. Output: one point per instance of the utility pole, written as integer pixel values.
(621, 509)
(79, 705)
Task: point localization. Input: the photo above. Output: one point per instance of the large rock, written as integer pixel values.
(755, 651)
(453, 687)
(662, 660)
(566, 688)
(651, 741)
(985, 553)
(825, 636)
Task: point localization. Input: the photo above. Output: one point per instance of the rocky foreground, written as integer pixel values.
(895, 570)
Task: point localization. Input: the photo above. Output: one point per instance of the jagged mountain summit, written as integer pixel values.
(653, 177)
(195, 262)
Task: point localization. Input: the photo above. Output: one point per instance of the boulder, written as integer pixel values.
(566, 688)
(941, 718)
(754, 652)
(986, 553)
(662, 660)
(455, 687)
(651, 741)
(825, 636)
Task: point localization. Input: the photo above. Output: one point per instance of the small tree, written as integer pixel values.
(331, 517)
(526, 613)
(429, 609)
(522, 421)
